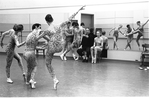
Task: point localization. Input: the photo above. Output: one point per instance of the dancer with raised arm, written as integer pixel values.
(116, 35)
(140, 31)
(10, 49)
(55, 42)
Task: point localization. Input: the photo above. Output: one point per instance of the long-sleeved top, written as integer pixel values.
(88, 41)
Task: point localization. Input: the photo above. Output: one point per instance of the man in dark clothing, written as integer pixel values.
(87, 42)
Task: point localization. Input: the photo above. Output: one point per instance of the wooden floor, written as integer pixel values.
(78, 79)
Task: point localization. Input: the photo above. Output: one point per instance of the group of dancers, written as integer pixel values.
(129, 33)
(59, 38)
(55, 44)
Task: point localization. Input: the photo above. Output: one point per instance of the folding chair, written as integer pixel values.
(144, 54)
(40, 46)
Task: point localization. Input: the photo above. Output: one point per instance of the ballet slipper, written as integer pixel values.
(74, 56)
(9, 81)
(94, 60)
(32, 84)
(62, 56)
(55, 84)
(65, 58)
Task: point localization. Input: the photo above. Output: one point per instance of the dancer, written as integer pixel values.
(116, 35)
(10, 49)
(55, 42)
(82, 29)
(68, 38)
(75, 44)
(29, 54)
(140, 31)
(129, 37)
(105, 45)
(105, 40)
(97, 47)
(77, 41)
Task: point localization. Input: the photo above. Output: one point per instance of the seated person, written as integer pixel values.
(87, 42)
(97, 47)
(105, 45)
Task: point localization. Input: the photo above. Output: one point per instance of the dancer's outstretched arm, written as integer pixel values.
(137, 30)
(17, 42)
(122, 33)
(111, 30)
(125, 32)
(71, 17)
(3, 35)
(43, 35)
(133, 32)
(145, 23)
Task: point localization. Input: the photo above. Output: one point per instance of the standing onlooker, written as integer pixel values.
(105, 45)
(82, 29)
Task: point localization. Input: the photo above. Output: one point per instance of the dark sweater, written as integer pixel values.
(88, 41)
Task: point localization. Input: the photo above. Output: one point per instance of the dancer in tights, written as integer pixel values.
(77, 40)
(116, 35)
(55, 42)
(82, 29)
(10, 49)
(140, 31)
(129, 37)
(68, 38)
(29, 54)
(75, 44)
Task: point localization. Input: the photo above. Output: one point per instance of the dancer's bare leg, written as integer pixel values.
(69, 48)
(128, 43)
(115, 38)
(64, 49)
(95, 58)
(137, 40)
(92, 54)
